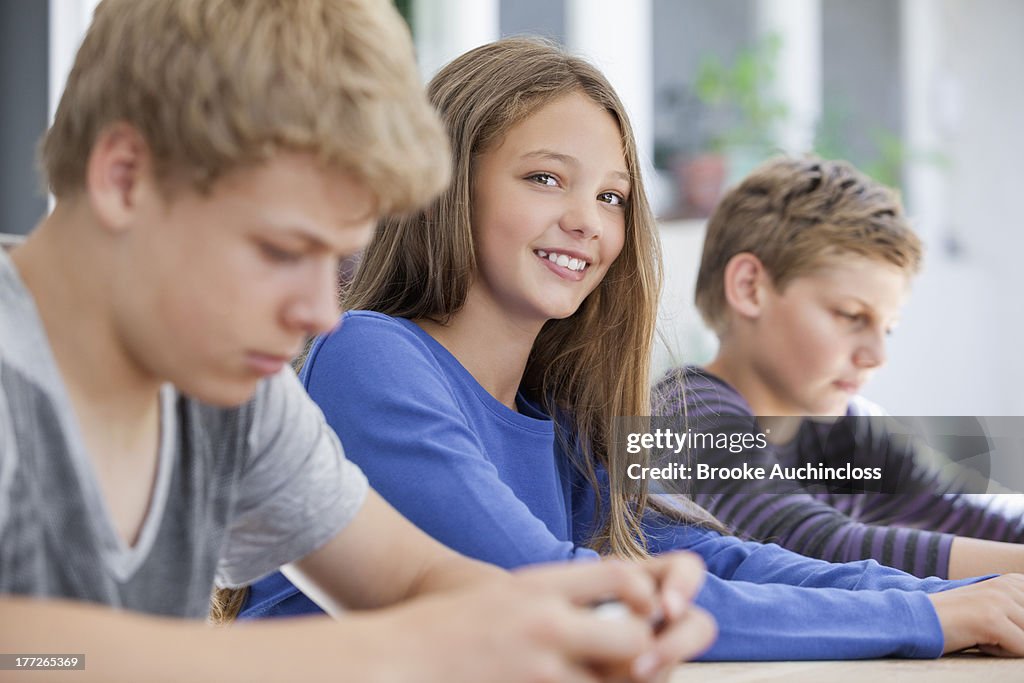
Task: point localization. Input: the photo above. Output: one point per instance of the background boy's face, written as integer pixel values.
(819, 340)
(215, 292)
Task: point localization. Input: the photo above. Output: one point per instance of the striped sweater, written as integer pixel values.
(911, 530)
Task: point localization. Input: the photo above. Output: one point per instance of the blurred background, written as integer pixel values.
(924, 95)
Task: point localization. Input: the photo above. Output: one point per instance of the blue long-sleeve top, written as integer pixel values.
(491, 483)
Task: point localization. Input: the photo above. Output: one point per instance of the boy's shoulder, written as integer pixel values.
(700, 393)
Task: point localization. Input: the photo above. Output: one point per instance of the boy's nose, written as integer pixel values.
(316, 309)
(871, 353)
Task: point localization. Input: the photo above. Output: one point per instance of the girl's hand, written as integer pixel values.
(989, 615)
(686, 630)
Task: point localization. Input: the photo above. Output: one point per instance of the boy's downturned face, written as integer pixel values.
(819, 340)
(215, 292)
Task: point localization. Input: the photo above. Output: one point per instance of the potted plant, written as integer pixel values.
(737, 122)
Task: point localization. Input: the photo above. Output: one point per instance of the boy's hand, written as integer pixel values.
(989, 615)
(663, 597)
(536, 625)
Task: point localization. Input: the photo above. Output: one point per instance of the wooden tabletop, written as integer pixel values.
(954, 668)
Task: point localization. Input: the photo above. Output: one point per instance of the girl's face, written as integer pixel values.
(549, 211)
(824, 335)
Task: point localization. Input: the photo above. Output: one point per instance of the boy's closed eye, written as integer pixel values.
(863, 319)
(852, 316)
(278, 254)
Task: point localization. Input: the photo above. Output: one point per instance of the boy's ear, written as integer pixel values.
(118, 172)
(744, 280)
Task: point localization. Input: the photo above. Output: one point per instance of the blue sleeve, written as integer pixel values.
(398, 418)
(773, 604)
(384, 394)
(763, 622)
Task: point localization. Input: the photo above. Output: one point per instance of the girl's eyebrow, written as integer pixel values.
(568, 160)
(556, 156)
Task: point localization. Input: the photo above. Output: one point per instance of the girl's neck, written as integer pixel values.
(492, 346)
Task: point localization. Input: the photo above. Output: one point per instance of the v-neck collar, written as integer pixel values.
(30, 342)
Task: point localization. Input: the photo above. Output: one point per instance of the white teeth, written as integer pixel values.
(569, 262)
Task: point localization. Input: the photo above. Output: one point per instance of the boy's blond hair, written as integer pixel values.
(215, 85)
(794, 215)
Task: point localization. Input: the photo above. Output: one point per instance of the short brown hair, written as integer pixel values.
(214, 85)
(793, 214)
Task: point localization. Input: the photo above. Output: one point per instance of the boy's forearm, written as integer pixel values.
(125, 646)
(453, 571)
(974, 557)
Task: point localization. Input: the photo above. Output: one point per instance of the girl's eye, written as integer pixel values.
(543, 179)
(613, 198)
(278, 255)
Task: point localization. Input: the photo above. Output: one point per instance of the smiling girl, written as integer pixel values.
(492, 340)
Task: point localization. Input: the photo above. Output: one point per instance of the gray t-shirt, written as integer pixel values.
(238, 492)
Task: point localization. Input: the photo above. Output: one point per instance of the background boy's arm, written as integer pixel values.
(976, 556)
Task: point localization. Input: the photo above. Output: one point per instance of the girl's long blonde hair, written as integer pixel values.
(586, 369)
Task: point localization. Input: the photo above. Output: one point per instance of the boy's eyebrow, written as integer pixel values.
(862, 302)
(873, 311)
(311, 240)
(567, 159)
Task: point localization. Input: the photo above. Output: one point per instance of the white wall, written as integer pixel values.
(960, 348)
(684, 339)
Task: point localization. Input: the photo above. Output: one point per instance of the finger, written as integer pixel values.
(577, 673)
(680, 576)
(1009, 637)
(664, 675)
(995, 651)
(599, 640)
(594, 582)
(684, 639)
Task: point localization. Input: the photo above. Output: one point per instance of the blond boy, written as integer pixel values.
(212, 161)
(807, 264)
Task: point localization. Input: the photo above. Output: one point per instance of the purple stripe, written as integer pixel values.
(942, 561)
(831, 550)
(768, 511)
(796, 539)
(878, 542)
(899, 548)
(1001, 532)
(742, 508)
(920, 554)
